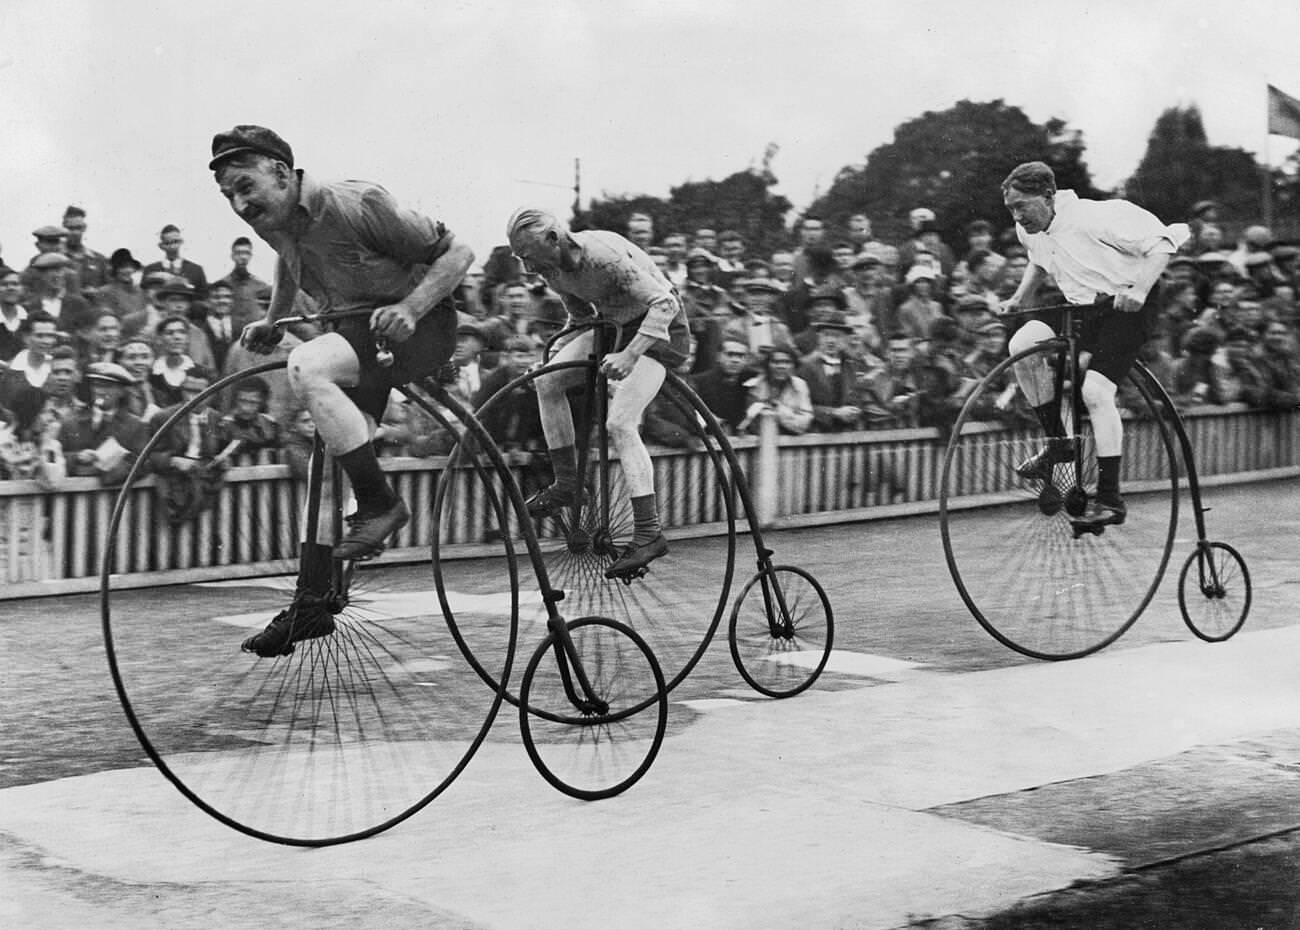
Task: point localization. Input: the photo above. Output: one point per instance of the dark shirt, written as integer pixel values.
(727, 397)
(353, 246)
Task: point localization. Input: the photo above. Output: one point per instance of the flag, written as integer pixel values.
(1283, 114)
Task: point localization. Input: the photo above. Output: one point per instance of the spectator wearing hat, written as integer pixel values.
(469, 373)
(832, 381)
(777, 391)
(1240, 377)
(104, 438)
(871, 295)
(821, 272)
(708, 306)
(1209, 238)
(170, 241)
(722, 387)
(90, 266)
(918, 312)
(170, 297)
(244, 287)
(706, 238)
(757, 324)
(120, 293)
(31, 365)
(49, 290)
(49, 240)
(12, 314)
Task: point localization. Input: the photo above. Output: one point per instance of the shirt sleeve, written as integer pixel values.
(1135, 231)
(409, 237)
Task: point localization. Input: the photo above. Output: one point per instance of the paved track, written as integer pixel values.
(930, 773)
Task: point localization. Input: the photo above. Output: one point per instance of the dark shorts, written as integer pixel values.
(1114, 339)
(428, 349)
(670, 354)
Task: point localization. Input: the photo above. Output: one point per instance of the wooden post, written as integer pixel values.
(767, 473)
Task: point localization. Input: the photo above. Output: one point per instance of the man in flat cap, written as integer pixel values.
(49, 290)
(49, 241)
(104, 438)
(350, 247)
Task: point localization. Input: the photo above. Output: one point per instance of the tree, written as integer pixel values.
(953, 162)
(743, 202)
(1180, 167)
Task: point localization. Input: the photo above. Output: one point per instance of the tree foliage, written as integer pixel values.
(1180, 167)
(953, 162)
(743, 202)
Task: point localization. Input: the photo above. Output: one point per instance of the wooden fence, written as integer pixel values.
(52, 542)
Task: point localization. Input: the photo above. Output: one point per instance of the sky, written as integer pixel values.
(468, 110)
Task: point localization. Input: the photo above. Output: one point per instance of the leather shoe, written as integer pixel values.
(368, 532)
(635, 558)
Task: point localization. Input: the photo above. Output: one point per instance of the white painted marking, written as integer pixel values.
(852, 663)
(707, 704)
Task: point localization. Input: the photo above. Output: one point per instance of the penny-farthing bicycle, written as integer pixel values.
(1035, 578)
(781, 625)
(354, 732)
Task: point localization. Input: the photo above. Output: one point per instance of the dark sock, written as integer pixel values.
(1049, 415)
(1108, 478)
(315, 568)
(564, 462)
(645, 519)
(369, 483)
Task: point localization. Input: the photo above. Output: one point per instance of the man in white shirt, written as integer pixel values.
(1110, 252)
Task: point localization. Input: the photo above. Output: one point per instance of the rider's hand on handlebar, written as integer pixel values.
(261, 337)
(395, 323)
(1010, 305)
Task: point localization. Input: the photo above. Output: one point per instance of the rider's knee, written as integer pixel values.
(620, 426)
(1098, 391)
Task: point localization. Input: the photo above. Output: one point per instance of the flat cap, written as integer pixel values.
(770, 285)
(110, 372)
(699, 256)
(51, 260)
(832, 319)
(248, 138)
(174, 284)
(50, 232)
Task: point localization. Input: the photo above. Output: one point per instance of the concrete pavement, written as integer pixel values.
(843, 808)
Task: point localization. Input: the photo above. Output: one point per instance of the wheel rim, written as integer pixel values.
(781, 659)
(676, 607)
(1214, 591)
(595, 756)
(344, 738)
(1021, 572)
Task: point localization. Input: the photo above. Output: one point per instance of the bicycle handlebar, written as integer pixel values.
(1051, 308)
(595, 322)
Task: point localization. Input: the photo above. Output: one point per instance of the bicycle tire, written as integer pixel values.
(781, 632)
(596, 754)
(677, 607)
(1009, 541)
(347, 736)
(1218, 605)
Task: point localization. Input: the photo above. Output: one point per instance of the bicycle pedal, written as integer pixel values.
(1095, 529)
(632, 575)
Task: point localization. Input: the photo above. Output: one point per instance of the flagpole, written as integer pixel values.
(1268, 162)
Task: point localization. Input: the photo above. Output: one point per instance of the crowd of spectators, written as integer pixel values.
(839, 331)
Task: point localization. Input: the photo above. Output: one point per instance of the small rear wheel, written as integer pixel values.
(1214, 591)
(593, 745)
(781, 631)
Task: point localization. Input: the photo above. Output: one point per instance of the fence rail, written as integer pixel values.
(51, 542)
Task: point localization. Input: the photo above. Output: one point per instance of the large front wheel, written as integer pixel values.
(1031, 581)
